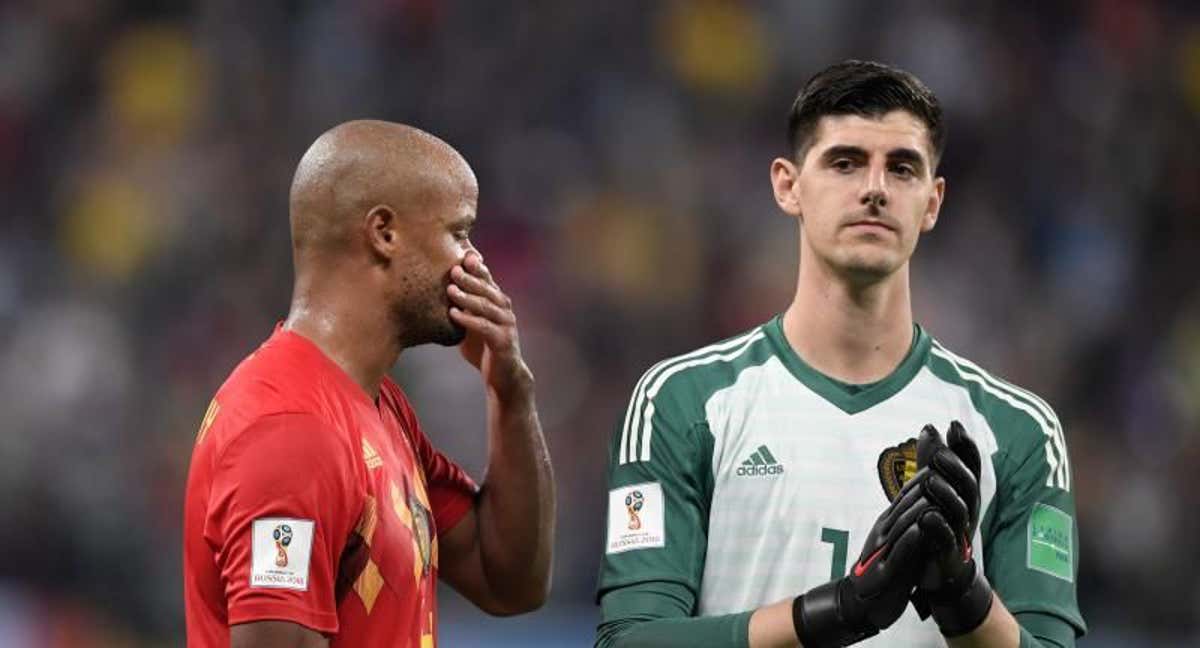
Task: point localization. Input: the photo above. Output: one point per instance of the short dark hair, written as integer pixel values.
(867, 89)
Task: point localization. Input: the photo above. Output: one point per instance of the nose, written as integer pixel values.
(874, 190)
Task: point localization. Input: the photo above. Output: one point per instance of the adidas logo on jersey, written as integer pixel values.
(760, 464)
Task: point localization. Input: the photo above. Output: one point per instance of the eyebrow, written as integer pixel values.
(843, 150)
(907, 155)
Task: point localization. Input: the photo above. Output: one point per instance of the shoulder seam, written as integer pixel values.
(220, 453)
(1021, 399)
(640, 411)
(999, 383)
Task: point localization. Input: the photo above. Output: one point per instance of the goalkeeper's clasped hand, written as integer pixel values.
(918, 549)
(952, 586)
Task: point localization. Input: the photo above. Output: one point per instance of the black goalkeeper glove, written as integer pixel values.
(878, 587)
(951, 586)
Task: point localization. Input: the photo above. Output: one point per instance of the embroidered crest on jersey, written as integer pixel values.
(422, 530)
(897, 465)
(281, 548)
(635, 517)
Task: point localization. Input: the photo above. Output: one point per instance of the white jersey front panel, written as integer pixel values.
(773, 534)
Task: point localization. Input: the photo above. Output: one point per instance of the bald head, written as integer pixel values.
(359, 165)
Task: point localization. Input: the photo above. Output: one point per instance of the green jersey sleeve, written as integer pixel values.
(1044, 631)
(1030, 537)
(658, 615)
(660, 488)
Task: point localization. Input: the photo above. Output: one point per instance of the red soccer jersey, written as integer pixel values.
(307, 502)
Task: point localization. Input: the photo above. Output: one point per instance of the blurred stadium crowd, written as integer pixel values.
(622, 149)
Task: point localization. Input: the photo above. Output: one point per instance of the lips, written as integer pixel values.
(874, 223)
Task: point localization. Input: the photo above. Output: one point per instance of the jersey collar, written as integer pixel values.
(847, 397)
(317, 360)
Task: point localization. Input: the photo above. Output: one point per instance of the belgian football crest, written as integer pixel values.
(897, 465)
(422, 530)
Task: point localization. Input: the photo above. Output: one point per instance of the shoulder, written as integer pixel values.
(272, 385)
(275, 401)
(690, 378)
(268, 380)
(1025, 426)
(291, 439)
(284, 457)
(670, 397)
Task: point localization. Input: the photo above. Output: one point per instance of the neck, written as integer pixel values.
(854, 332)
(352, 332)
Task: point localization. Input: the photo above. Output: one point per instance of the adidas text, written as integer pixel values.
(759, 471)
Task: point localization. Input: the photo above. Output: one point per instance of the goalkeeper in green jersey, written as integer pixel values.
(836, 476)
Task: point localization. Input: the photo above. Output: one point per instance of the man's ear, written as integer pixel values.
(383, 238)
(785, 182)
(934, 207)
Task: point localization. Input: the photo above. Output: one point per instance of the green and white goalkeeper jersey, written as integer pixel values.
(745, 475)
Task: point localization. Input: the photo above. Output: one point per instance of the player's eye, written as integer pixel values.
(904, 170)
(844, 165)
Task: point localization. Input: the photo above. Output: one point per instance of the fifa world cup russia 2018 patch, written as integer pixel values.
(1050, 542)
(280, 553)
(635, 517)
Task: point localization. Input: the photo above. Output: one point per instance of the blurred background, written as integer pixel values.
(622, 149)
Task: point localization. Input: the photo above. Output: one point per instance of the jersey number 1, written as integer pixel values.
(839, 539)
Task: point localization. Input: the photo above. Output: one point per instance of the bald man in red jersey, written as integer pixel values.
(317, 512)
